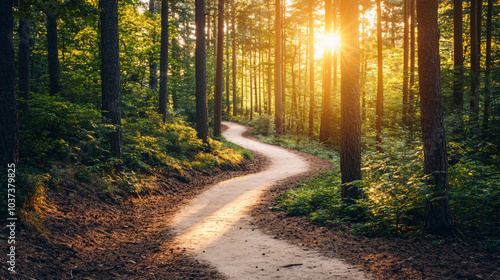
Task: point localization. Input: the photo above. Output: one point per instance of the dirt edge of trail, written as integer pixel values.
(91, 238)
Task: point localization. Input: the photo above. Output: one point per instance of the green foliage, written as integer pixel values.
(230, 145)
(56, 132)
(394, 189)
(303, 144)
(55, 129)
(475, 192)
(319, 199)
(263, 125)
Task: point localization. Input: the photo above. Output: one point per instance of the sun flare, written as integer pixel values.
(331, 42)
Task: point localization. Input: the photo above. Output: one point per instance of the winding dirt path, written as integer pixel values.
(217, 229)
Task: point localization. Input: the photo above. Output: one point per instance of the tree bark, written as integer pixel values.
(411, 98)
(153, 67)
(251, 87)
(110, 73)
(350, 142)
(269, 65)
(52, 51)
(363, 74)
(437, 210)
(163, 98)
(311, 68)
(278, 57)
(233, 48)
(326, 108)
(261, 95)
(256, 91)
(228, 69)
(293, 110)
(474, 99)
(250, 68)
(487, 85)
(283, 69)
(9, 125)
(201, 73)
(405, 64)
(379, 111)
(24, 56)
(219, 71)
(458, 58)
(242, 108)
(336, 121)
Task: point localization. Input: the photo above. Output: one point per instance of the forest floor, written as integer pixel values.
(94, 239)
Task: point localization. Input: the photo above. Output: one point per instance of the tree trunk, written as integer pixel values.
(269, 71)
(350, 142)
(9, 125)
(24, 56)
(153, 67)
(228, 70)
(209, 25)
(233, 48)
(262, 96)
(335, 119)
(163, 98)
(219, 72)
(311, 69)
(52, 51)
(405, 64)
(458, 57)
(283, 69)
(110, 73)
(479, 26)
(258, 84)
(256, 91)
(326, 108)
(487, 85)
(201, 72)
(215, 27)
(379, 112)
(437, 210)
(293, 109)
(251, 87)
(300, 106)
(242, 108)
(363, 74)
(411, 98)
(474, 99)
(278, 57)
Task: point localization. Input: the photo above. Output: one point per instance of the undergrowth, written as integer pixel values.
(63, 142)
(394, 189)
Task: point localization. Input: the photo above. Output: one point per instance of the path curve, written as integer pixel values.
(216, 227)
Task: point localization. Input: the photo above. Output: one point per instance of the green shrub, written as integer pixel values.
(56, 130)
(263, 125)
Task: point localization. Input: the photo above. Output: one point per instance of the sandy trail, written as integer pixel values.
(216, 227)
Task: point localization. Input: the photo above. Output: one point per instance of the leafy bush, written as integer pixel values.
(55, 129)
(396, 187)
(263, 125)
(319, 198)
(475, 194)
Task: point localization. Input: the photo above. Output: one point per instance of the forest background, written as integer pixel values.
(66, 131)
